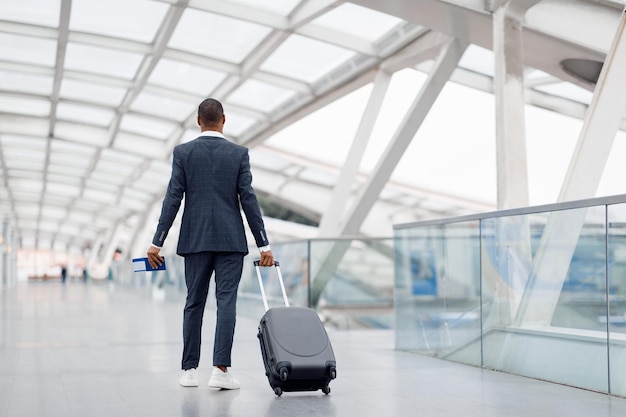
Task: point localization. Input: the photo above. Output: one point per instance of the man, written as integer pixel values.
(214, 177)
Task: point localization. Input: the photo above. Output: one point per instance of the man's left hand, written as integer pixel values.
(154, 257)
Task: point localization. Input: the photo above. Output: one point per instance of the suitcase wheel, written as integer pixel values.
(278, 391)
(284, 374)
(333, 373)
(326, 389)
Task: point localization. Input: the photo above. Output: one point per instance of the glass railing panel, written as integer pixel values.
(616, 318)
(352, 282)
(507, 247)
(438, 291)
(544, 284)
(582, 302)
(417, 252)
(293, 261)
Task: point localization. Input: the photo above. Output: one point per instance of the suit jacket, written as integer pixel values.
(214, 176)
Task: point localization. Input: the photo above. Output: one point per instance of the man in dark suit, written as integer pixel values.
(213, 175)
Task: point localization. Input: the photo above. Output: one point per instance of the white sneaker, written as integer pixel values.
(223, 380)
(189, 378)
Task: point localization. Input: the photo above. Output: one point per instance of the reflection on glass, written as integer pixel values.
(522, 293)
(352, 282)
(438, 291)
(349, 282)
(543, 290)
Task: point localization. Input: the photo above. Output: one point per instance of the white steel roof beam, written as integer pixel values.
(160, 44)
(241, 12)
(339, 197)
(311, 9)
(600, 126)
(445, 64)
(425, 47)
(64, 22)
(439, 75)
(342, 39)
(149, 62)
(598, 133)
(313, 105)
(262, 52)
(514, 9)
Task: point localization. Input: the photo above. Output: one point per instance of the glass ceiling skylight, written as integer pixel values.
(479, 60)
(25, 83)
(85, 114)
(91, 92)
(236, 124)
(27, 49)
(28, 106)
(217, 36)
(281, 7)
(155, 127)
(99, 60)
(260, 96)
(166, 107)
(137, 20)
(306, 59)
(364, 23)
(36, 12)
(186, 77)
(94, 94)
(567, 90)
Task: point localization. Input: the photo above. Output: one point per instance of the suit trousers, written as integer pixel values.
(198, 270)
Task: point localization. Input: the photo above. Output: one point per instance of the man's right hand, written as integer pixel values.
(267, 259)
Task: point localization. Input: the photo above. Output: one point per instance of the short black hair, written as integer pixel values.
(210, 111)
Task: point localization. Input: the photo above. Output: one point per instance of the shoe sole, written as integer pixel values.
(223, 386)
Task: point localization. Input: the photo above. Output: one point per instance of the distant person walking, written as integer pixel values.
(213, 175)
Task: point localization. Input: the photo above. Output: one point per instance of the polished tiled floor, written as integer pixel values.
(90, 351)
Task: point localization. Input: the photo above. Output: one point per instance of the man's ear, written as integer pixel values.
(223, 119)
(198, 120)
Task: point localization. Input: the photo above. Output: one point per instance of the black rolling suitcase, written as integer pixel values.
(295, 347)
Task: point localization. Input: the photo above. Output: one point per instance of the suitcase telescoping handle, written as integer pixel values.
(257, 266)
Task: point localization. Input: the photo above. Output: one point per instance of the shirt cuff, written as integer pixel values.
(265, 248)
(158, 247)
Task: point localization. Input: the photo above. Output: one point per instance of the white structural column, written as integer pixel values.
(563, 229)
(329, 224)
(512, 258)
(509, 94)
(450, 54)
